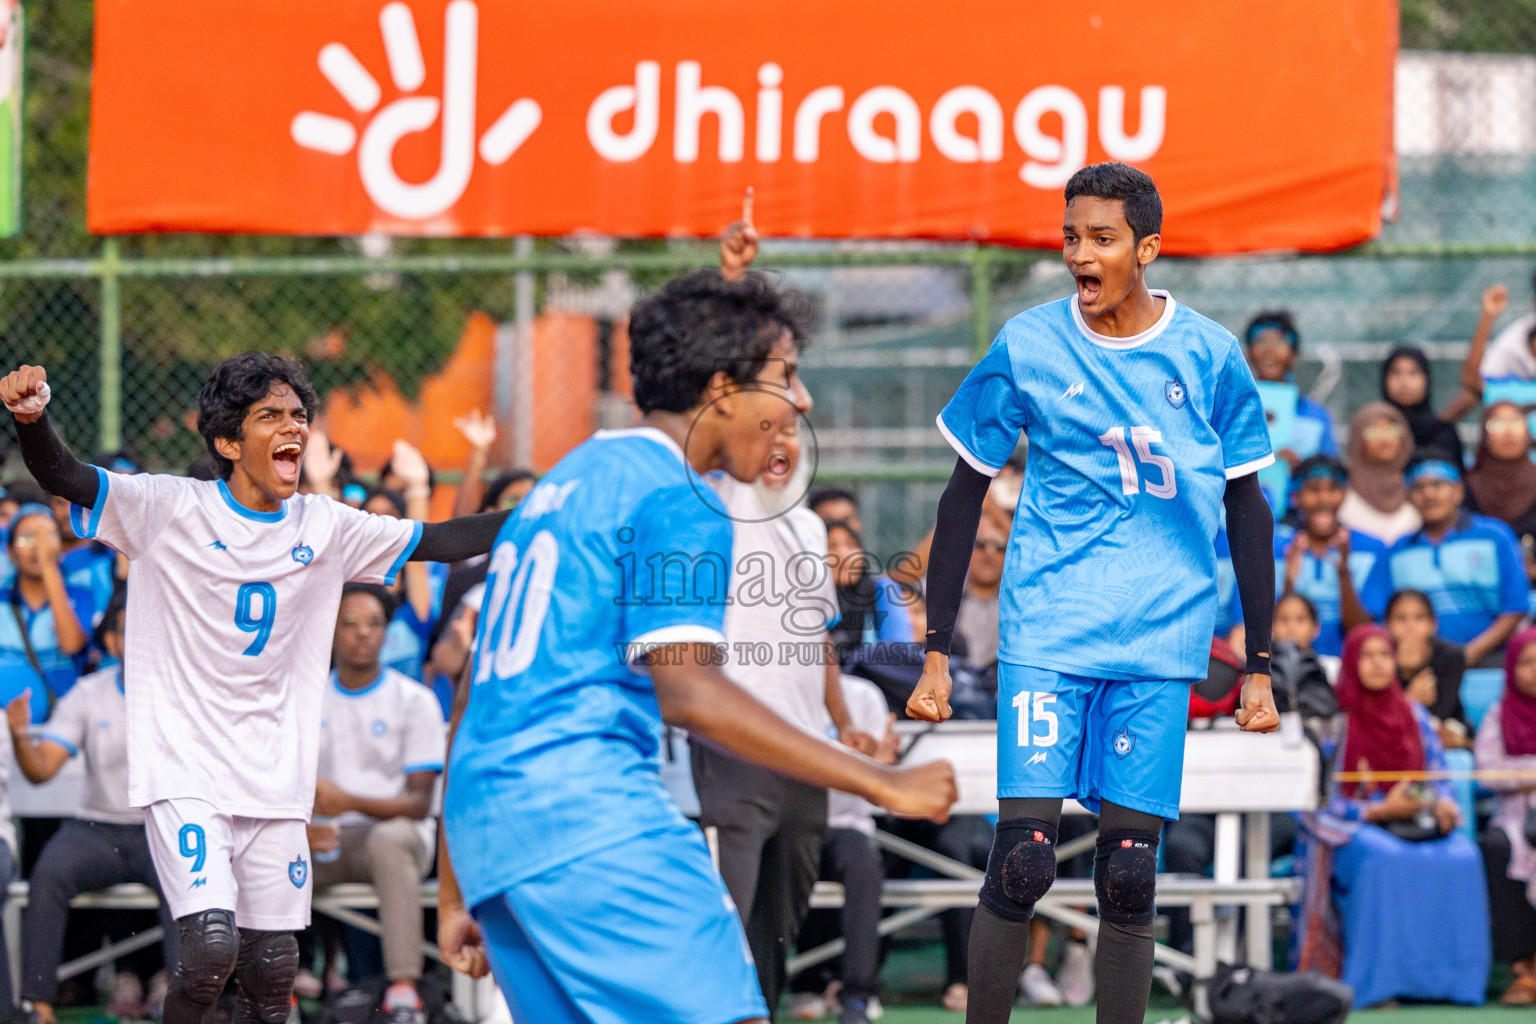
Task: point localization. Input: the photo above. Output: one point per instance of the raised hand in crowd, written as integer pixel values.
(480, 431)
(321, 463)
(738, 246)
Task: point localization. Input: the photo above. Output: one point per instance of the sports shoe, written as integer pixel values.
(402, 1005)
(853, 1011)
(1039, 989)
(873, 1009)
(1076, 974)
(956, 997)
(154, 998)
(806, 1006)
(127, 996)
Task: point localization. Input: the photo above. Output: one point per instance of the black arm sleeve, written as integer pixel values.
(1251, 535)
(458, 539)
(53, 465)
(949, 557)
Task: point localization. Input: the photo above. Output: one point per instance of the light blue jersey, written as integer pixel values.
(1318, 582)
(1111, 565)
(619, 546)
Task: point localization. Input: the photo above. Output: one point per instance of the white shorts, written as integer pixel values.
(208, 860)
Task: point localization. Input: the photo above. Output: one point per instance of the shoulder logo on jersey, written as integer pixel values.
(1174, 391)
(1073, 391)
(303, 554)
(217, 545)
(1123, 743)
(546, 498)
(298, 872)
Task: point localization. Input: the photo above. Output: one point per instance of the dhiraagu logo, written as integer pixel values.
(385, 126)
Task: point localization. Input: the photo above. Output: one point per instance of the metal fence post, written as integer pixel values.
(981, 301)
(111, 395)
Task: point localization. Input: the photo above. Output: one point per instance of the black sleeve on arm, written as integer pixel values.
(1251, 536)
(949, 557)
(458, 539)
(53, 465)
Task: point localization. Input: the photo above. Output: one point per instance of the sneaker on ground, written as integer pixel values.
(154, 999)
(806, 1006)
(402, 1005)
(956, 997)
(1075, 978)
(127, 996)
(874, 1010)
(1039, 989)
(853, 1011)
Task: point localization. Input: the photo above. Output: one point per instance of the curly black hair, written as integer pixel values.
(1134, 188)
(235, 385)
(699, 323)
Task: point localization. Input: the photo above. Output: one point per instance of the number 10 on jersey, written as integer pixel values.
(1143, 438)
(1032, 712)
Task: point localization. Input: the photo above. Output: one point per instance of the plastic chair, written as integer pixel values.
(1480, 687)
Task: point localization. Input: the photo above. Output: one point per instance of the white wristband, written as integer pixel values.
(33, 403)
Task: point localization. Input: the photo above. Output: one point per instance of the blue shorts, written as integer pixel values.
(643, 932)
(1120, 740)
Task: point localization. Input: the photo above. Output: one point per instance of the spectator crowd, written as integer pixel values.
(1405, 553)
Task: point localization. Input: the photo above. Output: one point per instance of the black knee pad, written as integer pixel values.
(266, 969)
(1020, 868)
(1125, 876)
(210, 944)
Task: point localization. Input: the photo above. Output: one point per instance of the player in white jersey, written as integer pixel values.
(236, 584)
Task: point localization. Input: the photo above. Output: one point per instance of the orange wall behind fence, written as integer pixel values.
(1266, 125)
(367, 420)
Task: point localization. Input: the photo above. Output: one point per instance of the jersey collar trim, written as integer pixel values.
(248, 513)
(1105, 341)
(649, 433)
(336, 682)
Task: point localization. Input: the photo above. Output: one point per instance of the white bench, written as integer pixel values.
(341, 902)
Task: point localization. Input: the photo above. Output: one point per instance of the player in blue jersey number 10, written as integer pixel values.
(1142, 420)
(567, 868)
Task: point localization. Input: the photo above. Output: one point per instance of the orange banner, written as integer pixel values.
(1266, 125)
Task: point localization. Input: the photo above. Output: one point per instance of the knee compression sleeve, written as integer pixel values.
(266, 968)
(1020, 868)
(1125, 875)
(209, 946)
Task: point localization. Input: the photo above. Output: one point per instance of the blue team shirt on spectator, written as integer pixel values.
(1318, 582)
(92, 567)
(619, 546)
(1111, 564)
(1312, 433)
(406, 639)
(60, 670)
(1474, 575)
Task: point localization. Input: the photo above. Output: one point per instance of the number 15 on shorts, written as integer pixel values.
(1037, 723)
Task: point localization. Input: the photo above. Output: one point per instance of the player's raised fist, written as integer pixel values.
(25, 392)
(930, 698)
(923, 791)
(459, 940)
(1256, 712)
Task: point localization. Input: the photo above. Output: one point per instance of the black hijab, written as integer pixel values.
(1429, 430)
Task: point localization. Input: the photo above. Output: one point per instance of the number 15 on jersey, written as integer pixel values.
(1034, 711)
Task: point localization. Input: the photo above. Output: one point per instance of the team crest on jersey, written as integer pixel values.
(298, 873)
(1123, 743)
(1173, 390)
(303, 554)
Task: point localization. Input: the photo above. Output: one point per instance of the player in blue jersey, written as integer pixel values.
(1143, 420)
(571, 868)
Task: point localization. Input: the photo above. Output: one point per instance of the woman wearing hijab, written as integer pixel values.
(1376, 501)
(1507, 742)
(1502, 480)
(1406, 383)
(1402, 860)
